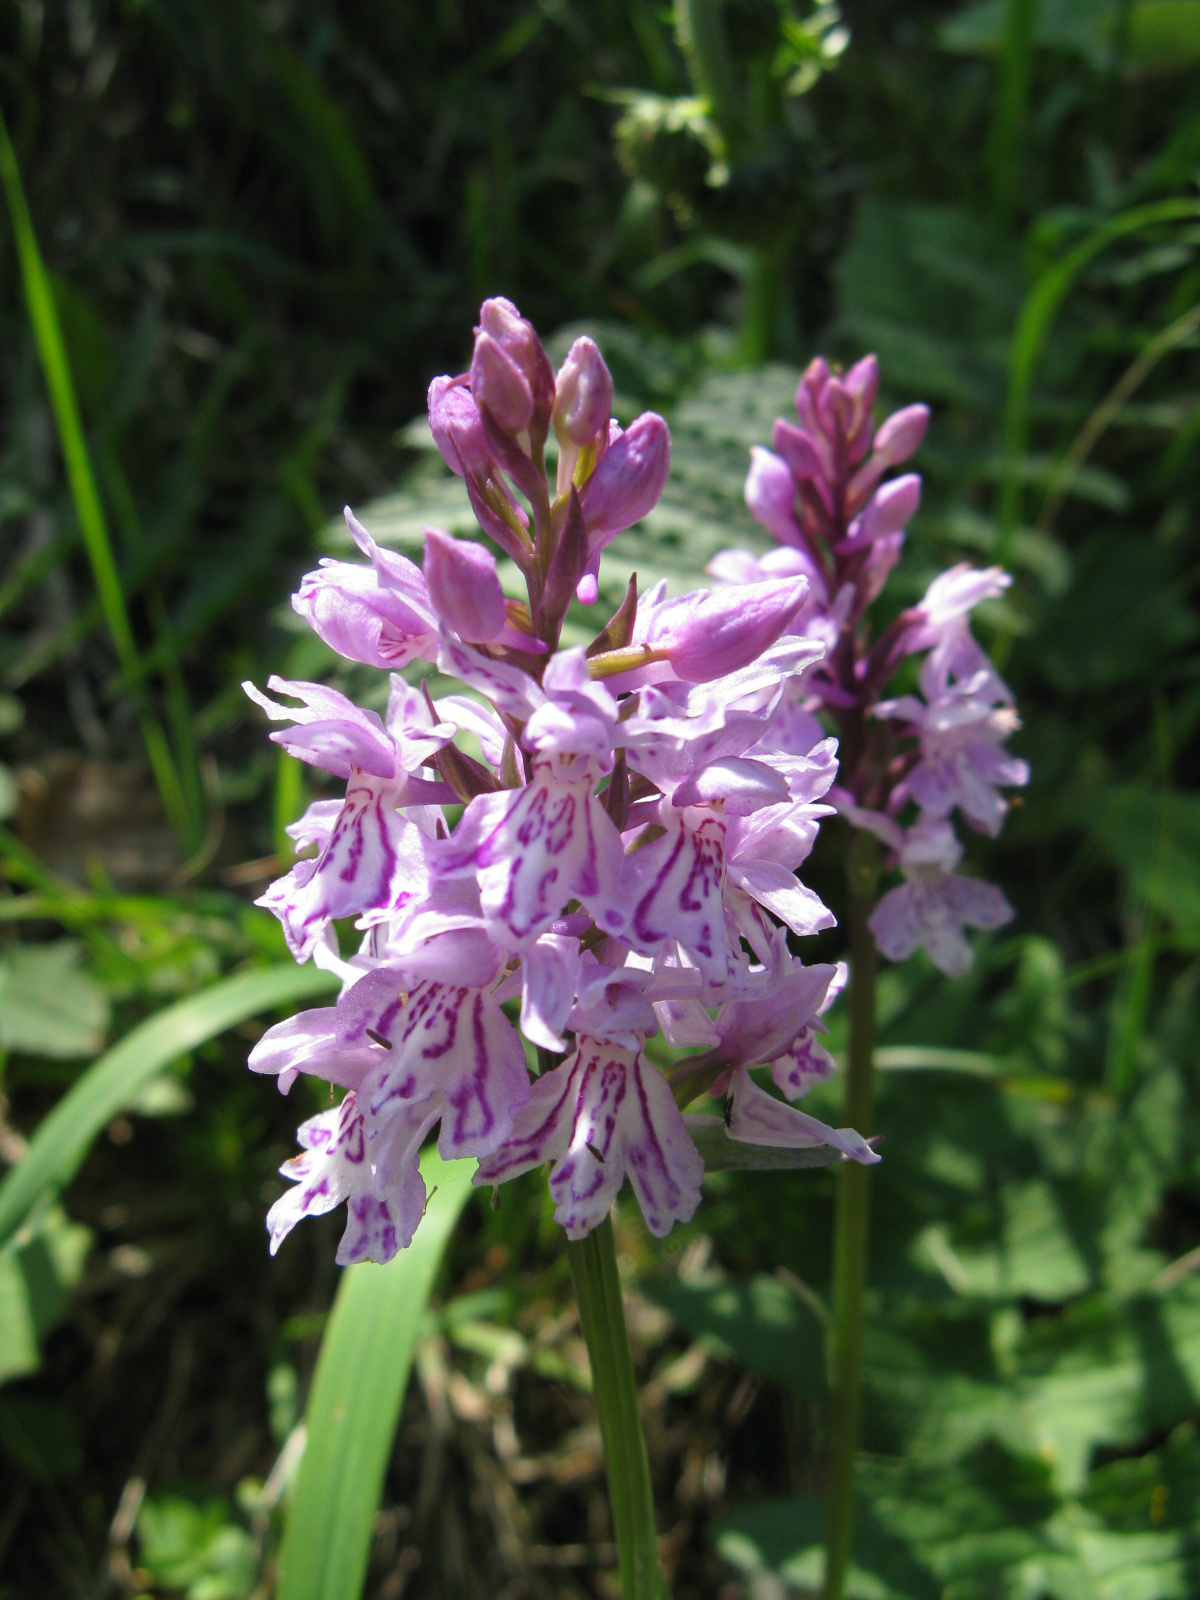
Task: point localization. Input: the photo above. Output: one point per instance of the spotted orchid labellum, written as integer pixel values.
(630, 819)
(905, 764)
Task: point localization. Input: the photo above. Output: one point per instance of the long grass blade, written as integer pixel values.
(357, 1392)
(52, 350)
(63, 1138)
(1029, 339)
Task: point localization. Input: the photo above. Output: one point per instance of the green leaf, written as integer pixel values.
(199, 1549)
(783, 1537)
(35, 1274)
(763, 1324)
(355, 1402)
(48, 1007)
(112, 1083)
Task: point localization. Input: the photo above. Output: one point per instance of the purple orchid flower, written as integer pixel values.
(934, 904)
(606, 1114)
(380, 615)
(634, 815)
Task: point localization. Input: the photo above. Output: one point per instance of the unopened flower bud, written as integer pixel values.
(457, 427)
(901, 435)
(515, 335)
(816, 376)
(891, 508)
(771, 495)
(804, 453)
(862, 382)
(836, 410)
(706, 636)
(583, 394)
(499, 385)
(629, 479)
(463, 586)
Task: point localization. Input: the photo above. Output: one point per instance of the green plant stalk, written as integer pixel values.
(626, 1465)
(850, 1235)
(701, 31)
(1011, 103)
(758, 337)
(47, 332)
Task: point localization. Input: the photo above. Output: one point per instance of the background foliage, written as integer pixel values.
(266, 226)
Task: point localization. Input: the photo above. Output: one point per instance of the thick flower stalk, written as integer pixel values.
(907, 764)
(630, 818)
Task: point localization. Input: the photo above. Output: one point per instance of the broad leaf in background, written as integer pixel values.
(763, 1323)
(36, 1272)
(48, 1006)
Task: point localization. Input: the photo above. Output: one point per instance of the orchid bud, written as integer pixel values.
(816, 376)
(901, 435)
(457, 427)
(499, 385)
(836, 410)
(771, 495)
(500, 320)
(629, 479)
(805, 454)
(891, 508)
(706, 636)
(583, 394)
(463, 586)
(862, 383)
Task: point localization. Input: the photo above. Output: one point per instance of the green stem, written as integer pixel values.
(602, 1318)
(1010, 108)
(850, 1237)
(701, 31)
(758, 337)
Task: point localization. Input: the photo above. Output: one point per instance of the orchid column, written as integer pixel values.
(632, 817)
(821, 493)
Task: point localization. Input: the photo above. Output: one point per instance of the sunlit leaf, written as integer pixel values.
(48, 1006)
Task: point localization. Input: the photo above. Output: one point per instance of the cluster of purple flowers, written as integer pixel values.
(630, 816)
(820, 493)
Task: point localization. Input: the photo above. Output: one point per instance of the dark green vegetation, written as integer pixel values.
(266, 227)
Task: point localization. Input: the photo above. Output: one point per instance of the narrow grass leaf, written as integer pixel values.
(357, 1392)
(63, 1138)
(52, 351)
(1033, 326)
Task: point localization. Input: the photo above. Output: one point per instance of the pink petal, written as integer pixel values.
(756, 1117)
(549, 967)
